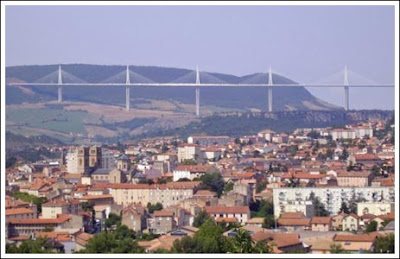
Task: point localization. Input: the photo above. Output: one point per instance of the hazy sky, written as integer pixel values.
(304, 43)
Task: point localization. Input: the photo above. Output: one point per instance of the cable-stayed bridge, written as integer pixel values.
(197, 79)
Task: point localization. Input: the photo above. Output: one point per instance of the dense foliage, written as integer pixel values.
(200, 218)
(212, 182)
(153, 207)
(38, 246)
(122, 240)
(38, 201)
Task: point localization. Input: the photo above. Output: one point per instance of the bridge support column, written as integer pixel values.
(346, 89)
(127, 96)
(59, 93)
(270, 83)
(346, 98)
(197, 92)
(59, 84)
(269, 99)
(127, 90)
(197, 102)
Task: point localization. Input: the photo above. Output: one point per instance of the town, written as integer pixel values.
(315, 190)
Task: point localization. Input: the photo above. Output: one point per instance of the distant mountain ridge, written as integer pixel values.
(242, 98)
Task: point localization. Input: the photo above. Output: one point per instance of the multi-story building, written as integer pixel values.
(241, 213)
(330, 197)
(51, 209)
(168, 194)
(81, 159)
(354, 179)
(189, 152)
(163, 222)
(374, 208)
(192, 171)
(266, 134)
(209, 140)
(107, 159)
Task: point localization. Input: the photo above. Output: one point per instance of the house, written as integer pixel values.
(52, 208)
(163, 222)
(81, 240)
(350, 222)
(241, 213)
(320, 244)
(19, 213)
(356, 243)
(192, 171)
(354, 179)
(18, 227)
(282, 242)
(321, 223)
(337, 221)
(257, 221)
(134, 217)
(294, 224)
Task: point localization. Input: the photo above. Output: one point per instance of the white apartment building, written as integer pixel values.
(189, 151)
(72, 162)
(331, 197)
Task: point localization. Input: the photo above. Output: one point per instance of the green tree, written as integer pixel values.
(212, 182)
(38, 201)
(269, 222)
(372, 226)
(228, 187)
(152, 207)
(337, 249)
(86, 206)
(385, 244)
(189, 162)
(344, 208)
(200, 218)
(122, 240)
(319, 208)
(30, 247)
(113, 219)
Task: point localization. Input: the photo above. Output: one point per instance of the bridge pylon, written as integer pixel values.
(197, 92)
(270, 83)
(127, 90)
(59, 92)
(346, 89)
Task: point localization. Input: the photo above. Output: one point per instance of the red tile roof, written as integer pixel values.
(18, 211)
(163, 213)
(321, 220)
(61, 218)
(294, 222)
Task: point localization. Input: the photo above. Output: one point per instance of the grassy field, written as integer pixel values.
(56, 120)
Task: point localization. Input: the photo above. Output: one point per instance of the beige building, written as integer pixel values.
(18, 227)
(321, 224)
(188, 152)
(337, 221)
(168, 194)
(374, 208)
(19, 213)
(51, 209)
(134, 217)
(241, 213)
(350, 222)
(354, 179)
(81, 159)
(163, 222)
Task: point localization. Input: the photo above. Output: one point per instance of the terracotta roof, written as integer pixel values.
(95, 197)
(61, 218)
(292, 215)
(366, 157)
(355, 238)
(352, 215)
(285, 239)
(18, 211)
(55, 203)
(321, 220)
(163, 213)
(294, 222)
(226, 210)
(170, 185)
(20, 238)
(257, 220)
(83, 238)
(205, 193)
